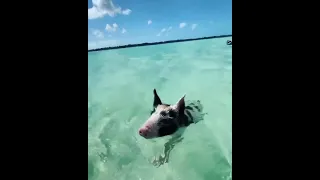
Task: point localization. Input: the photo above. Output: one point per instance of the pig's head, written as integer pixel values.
(164, 120)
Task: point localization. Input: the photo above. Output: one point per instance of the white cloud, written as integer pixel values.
(109, 28)
(97, 33)
(164, 30)
(102, 8)
(126, 12)
(112, 28)
(193, 26)
(123, 30)
(168, 30)
(149, 22)
(182, 25)
(103, 43)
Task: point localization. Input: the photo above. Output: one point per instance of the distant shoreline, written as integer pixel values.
(156, 43)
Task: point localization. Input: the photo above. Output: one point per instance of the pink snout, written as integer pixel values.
(143, 131)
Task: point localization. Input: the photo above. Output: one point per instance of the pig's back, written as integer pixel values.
(194, 111)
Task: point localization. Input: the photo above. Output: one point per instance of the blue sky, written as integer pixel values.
(119, 22)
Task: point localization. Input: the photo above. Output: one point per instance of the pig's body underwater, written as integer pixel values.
(170, 120)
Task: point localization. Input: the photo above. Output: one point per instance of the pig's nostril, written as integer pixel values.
(142, 132)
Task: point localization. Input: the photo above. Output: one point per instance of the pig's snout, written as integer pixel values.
(143, 131)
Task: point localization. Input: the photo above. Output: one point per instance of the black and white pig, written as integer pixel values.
(170, 120)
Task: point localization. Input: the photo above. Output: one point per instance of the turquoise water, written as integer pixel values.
(120, 84)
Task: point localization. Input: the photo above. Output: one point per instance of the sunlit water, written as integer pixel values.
(120, 84)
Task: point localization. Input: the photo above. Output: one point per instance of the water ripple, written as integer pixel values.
(120, 84)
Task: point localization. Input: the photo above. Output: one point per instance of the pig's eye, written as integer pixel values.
(172, 114)
(163, 113)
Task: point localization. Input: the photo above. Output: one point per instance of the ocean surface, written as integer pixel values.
(120, 97)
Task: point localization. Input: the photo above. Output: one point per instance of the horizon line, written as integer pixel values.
(156, 43)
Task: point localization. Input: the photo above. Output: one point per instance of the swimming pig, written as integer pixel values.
(170, 120)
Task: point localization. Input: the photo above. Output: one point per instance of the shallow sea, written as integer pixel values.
(120, 97)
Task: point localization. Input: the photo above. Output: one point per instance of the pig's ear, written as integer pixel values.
(156, 99)
(180, 105)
